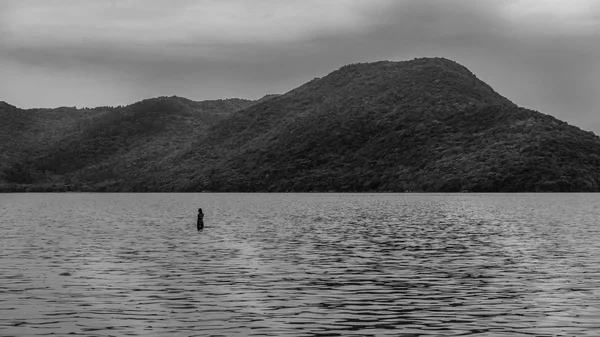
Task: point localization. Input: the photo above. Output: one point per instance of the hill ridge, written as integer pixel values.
(427, 124)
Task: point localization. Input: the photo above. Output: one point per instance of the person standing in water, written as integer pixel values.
(200, 223)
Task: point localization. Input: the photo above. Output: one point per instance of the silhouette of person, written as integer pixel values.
(200, 223)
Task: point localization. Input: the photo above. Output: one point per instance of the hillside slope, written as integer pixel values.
(70, 148)
(25, 134)
(422, 125)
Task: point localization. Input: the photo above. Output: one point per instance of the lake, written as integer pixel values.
(300, 265)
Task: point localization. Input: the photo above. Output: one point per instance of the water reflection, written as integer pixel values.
(299, 265)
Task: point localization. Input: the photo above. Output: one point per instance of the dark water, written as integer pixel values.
(300, 265)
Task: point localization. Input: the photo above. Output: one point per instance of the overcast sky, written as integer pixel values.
(541, 54)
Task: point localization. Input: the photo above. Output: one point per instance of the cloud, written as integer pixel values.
(552, 16)
(177, 23)
(167, 38)
(541, 54)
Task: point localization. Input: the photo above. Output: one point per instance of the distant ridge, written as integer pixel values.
(267, 97)
(83, 149)
(428, 124)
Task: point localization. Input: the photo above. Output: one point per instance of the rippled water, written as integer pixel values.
(300, 265)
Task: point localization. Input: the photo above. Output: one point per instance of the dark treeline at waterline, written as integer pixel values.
(423, 125)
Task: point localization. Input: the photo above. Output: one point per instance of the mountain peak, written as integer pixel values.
(424, 81)
(5, 105)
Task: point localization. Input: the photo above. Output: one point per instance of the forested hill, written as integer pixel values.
(422, 125)
(72, 149)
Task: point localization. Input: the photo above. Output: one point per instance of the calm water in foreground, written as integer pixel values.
(300, 265)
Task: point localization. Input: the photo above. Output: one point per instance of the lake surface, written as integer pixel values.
(300, 265)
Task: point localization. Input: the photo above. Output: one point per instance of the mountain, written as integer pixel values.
(68, 148)
(422, 125)
(24, 134)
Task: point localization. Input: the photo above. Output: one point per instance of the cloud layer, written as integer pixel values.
(542, 54)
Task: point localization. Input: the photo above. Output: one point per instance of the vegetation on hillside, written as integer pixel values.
(87, 149)
(420, 125)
